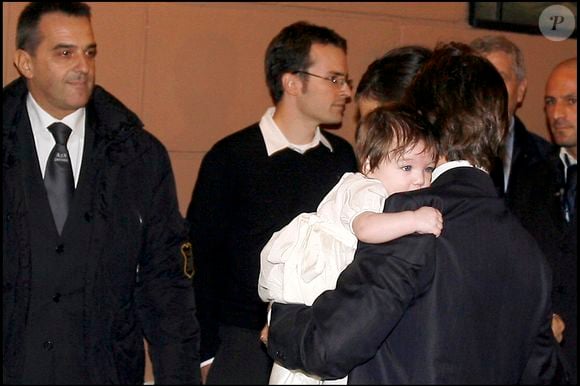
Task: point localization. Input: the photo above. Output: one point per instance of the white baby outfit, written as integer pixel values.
(305, 258)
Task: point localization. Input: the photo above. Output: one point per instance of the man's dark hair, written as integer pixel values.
(464, 97)
(387, 78)
(27, 35)
(289, 51)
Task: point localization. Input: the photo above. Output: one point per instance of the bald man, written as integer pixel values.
(542, 203)
(560, 105)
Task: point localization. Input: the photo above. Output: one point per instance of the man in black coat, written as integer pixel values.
(541, 204)
(79, 297)
(469, 307)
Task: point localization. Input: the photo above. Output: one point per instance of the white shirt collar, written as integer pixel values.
(44, 141)
(567, 158)
(448, 166)
(276, 141)
(39, 118)
(509, 151)
(509, 139)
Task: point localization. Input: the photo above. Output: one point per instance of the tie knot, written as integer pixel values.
(60, 132)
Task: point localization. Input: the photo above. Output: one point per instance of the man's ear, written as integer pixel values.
(23, 63)
(291, 83)
(521, 91)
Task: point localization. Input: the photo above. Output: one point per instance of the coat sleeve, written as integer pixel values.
(545, 363)
(345, 327)
(208, 216)
(165, 296)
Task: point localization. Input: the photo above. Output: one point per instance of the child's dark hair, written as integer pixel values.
(388, 131)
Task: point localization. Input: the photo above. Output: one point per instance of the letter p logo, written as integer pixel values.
(557, 23)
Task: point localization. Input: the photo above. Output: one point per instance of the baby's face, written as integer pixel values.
(410, 172)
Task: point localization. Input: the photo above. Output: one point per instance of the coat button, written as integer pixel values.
(48, 345)
(88, 216)
(56, 297)
(59, 248)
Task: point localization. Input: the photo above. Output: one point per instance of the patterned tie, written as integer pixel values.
(570, 193)
(58, 178)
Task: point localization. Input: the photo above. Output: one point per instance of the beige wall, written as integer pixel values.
(194, 71)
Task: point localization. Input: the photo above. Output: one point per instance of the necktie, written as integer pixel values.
(58, 178)
(570, 192)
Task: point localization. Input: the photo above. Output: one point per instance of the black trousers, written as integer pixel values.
(241, 359)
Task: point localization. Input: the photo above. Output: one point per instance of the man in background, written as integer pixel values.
(546, 203)
(469, 307)
(254, 182)
(521, 148)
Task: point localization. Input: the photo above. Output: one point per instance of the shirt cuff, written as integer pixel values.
(206, 362)
(269, 313)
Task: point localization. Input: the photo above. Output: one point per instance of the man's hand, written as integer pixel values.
(558, 327)
(204, 372)
(264, 335)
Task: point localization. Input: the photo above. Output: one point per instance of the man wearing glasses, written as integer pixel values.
(254, 182)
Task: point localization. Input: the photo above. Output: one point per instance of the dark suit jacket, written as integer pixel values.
(472, 306)
(528, 150)
(537, 203)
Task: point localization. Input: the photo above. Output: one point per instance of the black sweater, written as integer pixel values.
(241, 197)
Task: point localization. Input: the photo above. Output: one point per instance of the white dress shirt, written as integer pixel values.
(509, 152)
(567, 160)
(448, 166)
(40, 120)
(276, 141)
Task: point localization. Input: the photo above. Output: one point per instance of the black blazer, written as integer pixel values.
(471, 306)
(537, 203)
(528, 150)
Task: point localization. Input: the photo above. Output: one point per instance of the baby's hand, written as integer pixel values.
(428, 220)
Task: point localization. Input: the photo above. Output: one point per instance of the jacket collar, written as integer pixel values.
(475, 178)
(114, 125)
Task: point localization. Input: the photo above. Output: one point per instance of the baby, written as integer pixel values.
(305, 258)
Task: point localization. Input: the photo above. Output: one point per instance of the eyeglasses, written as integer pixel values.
(337, 81)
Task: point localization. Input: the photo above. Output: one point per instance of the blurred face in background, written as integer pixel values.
(505, 65)
(560, 105)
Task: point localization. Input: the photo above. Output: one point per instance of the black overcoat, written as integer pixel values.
(138, 270)
(469, 307)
